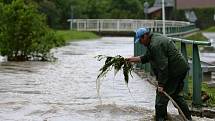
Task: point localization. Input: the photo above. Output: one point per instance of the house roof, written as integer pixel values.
(153, 9)
(158, 4)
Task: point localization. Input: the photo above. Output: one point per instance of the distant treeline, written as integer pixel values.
(58, 11)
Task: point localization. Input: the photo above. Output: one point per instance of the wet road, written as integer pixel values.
(65, 90)
(211, 37)
(209, 57)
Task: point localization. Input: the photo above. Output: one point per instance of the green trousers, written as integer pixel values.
(175, 91)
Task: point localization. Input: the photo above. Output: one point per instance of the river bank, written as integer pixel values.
(210, 29)
(70, 35)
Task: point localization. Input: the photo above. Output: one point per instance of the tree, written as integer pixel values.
(7, 1)
(205, 17)
(98, 9)
(126, 9)
(23, 32)
(53, 13)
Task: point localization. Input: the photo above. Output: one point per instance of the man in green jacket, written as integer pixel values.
(169, 66)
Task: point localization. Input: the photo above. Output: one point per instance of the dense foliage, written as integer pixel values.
(205, 17)
(58, 11)
(24, 34)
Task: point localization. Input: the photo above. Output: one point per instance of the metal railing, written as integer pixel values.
(129, 25)
(196, 69)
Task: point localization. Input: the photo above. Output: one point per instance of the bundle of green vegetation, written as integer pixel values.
(118, 62)
(24, 34)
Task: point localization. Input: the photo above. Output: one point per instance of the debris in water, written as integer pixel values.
(118, 62)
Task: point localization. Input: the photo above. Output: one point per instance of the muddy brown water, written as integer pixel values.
(65, 90)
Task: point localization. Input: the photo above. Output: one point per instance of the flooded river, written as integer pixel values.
(65, 90)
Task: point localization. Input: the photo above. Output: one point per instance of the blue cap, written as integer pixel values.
(139, 33)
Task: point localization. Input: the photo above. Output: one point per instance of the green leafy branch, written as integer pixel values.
(118, 62)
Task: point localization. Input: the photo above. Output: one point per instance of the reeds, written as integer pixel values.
(118, 63)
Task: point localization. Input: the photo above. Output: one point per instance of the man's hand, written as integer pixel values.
(134, 59)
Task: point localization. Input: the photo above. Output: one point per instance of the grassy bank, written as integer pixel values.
(197, 37)
(69, 35)
(211, 29)
(209, 90)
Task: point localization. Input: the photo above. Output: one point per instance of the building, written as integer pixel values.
(190, 4)
(156, 10)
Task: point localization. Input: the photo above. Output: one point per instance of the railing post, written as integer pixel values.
(184, 52)
(71, 22)
(98, 25)
(101, 25)
(177, 30)
(140, 50)
(118, 23)
(137, 52)
(85, 25)
(135, 47)
(77, 25)
(197, 76)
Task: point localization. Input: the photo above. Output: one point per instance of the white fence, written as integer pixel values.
(121, 24)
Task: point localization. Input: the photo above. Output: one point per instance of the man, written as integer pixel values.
(169, 66)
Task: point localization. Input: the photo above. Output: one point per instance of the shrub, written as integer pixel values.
(24, 33)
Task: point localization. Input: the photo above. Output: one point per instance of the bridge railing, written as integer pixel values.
(196, 69)
(129, 25)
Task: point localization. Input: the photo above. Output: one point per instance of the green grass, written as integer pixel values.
(211, 29)
(209, 90)
(69, 35)
(197, 37)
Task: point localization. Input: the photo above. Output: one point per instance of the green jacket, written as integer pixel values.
(166, 61)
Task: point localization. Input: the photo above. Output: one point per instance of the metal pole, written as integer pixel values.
(72, 17)
(146, 7)
(197, 76)
(163, 17)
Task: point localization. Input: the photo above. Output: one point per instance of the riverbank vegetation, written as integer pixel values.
(25, 29)
(208, 93)
(210, 29)
(58, 11)
(24, 34)
(69, 35)
(198, 36)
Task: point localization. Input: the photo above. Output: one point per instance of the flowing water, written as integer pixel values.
(65, 90)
